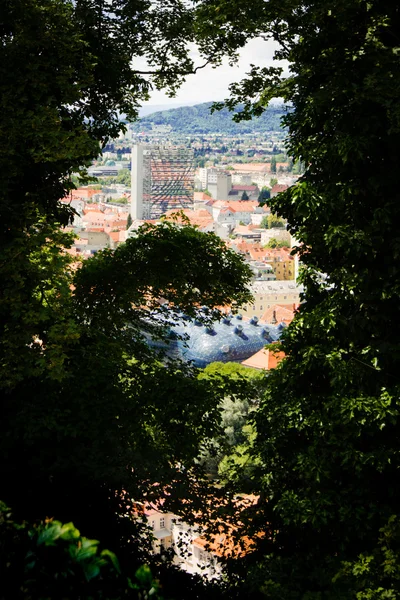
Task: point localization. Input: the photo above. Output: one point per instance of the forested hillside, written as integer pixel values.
(198, 119)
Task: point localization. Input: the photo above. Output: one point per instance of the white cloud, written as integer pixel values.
(212, 84)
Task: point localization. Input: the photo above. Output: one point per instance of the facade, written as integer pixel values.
(170, 532)
(192, 551)
(219, 184)
(282, 263)
(162, 179)
(268, 293)
(217, 181)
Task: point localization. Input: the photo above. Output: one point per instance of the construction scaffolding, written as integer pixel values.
(168, 180)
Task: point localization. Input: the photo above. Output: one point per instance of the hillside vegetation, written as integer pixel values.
(198, 119)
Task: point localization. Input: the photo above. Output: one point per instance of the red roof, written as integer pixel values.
(245, 188)
(201, 218)
(264, 360)
(280, 313)
(279, 187)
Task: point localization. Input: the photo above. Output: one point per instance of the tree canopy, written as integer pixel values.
(88, 410)
(327, 430)
(324, 441)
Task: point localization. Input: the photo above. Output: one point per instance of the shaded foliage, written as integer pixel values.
(327, 429)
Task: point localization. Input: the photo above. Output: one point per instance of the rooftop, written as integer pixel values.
(264, 360)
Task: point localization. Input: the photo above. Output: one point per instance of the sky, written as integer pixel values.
(210, 84)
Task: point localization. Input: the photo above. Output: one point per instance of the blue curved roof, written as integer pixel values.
(231, 339)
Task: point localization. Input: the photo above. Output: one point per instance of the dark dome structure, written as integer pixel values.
(232, 339)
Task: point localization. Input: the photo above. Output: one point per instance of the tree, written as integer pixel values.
(264, 195)
(71, 374)
(326, 434)
(271, 221)
(228, 456)
(53, 559)
(327, 430)
(86, 53)
(274, 243)
(244, 196)
(273, 164)
(124, 176)
(129, 221)
(273, 181)
(99, 416)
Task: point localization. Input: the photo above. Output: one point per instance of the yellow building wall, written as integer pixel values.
(266, 300)
(284, 270)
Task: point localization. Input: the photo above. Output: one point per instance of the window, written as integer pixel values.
(162, 523)
(153, 524)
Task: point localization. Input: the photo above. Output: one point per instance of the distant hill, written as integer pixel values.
(197, 119)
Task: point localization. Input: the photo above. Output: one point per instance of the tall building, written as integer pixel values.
(162, 180)
(219, 184)
(216, 181)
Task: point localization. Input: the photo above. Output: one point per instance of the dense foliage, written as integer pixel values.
(327, 429)
(90, 417)
(67, 71)
(90, 406)
(87, 411)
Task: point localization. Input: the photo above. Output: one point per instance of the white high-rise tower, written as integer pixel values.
(137, 182)
(162, 180)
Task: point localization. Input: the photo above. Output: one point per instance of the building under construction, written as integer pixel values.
(162, 180)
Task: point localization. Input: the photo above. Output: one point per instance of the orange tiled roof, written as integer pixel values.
(253, 167)
(225, 545)
(257, 253)
(280, 313)
(264, 360)
(279, 187)
(89, 208)
(243, 229)
(201, 196)
(201, 217)
(115, 235)
(244, 188)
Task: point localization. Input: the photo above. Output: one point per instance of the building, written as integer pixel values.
(269, 293)
(219, 184)
(282, 262)
(232, 339)
(277, 189)
(280, 314)
(193, 550)
(162, 179)
(280, 234)
(264, 360)
(237, 191)
(235, 211)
